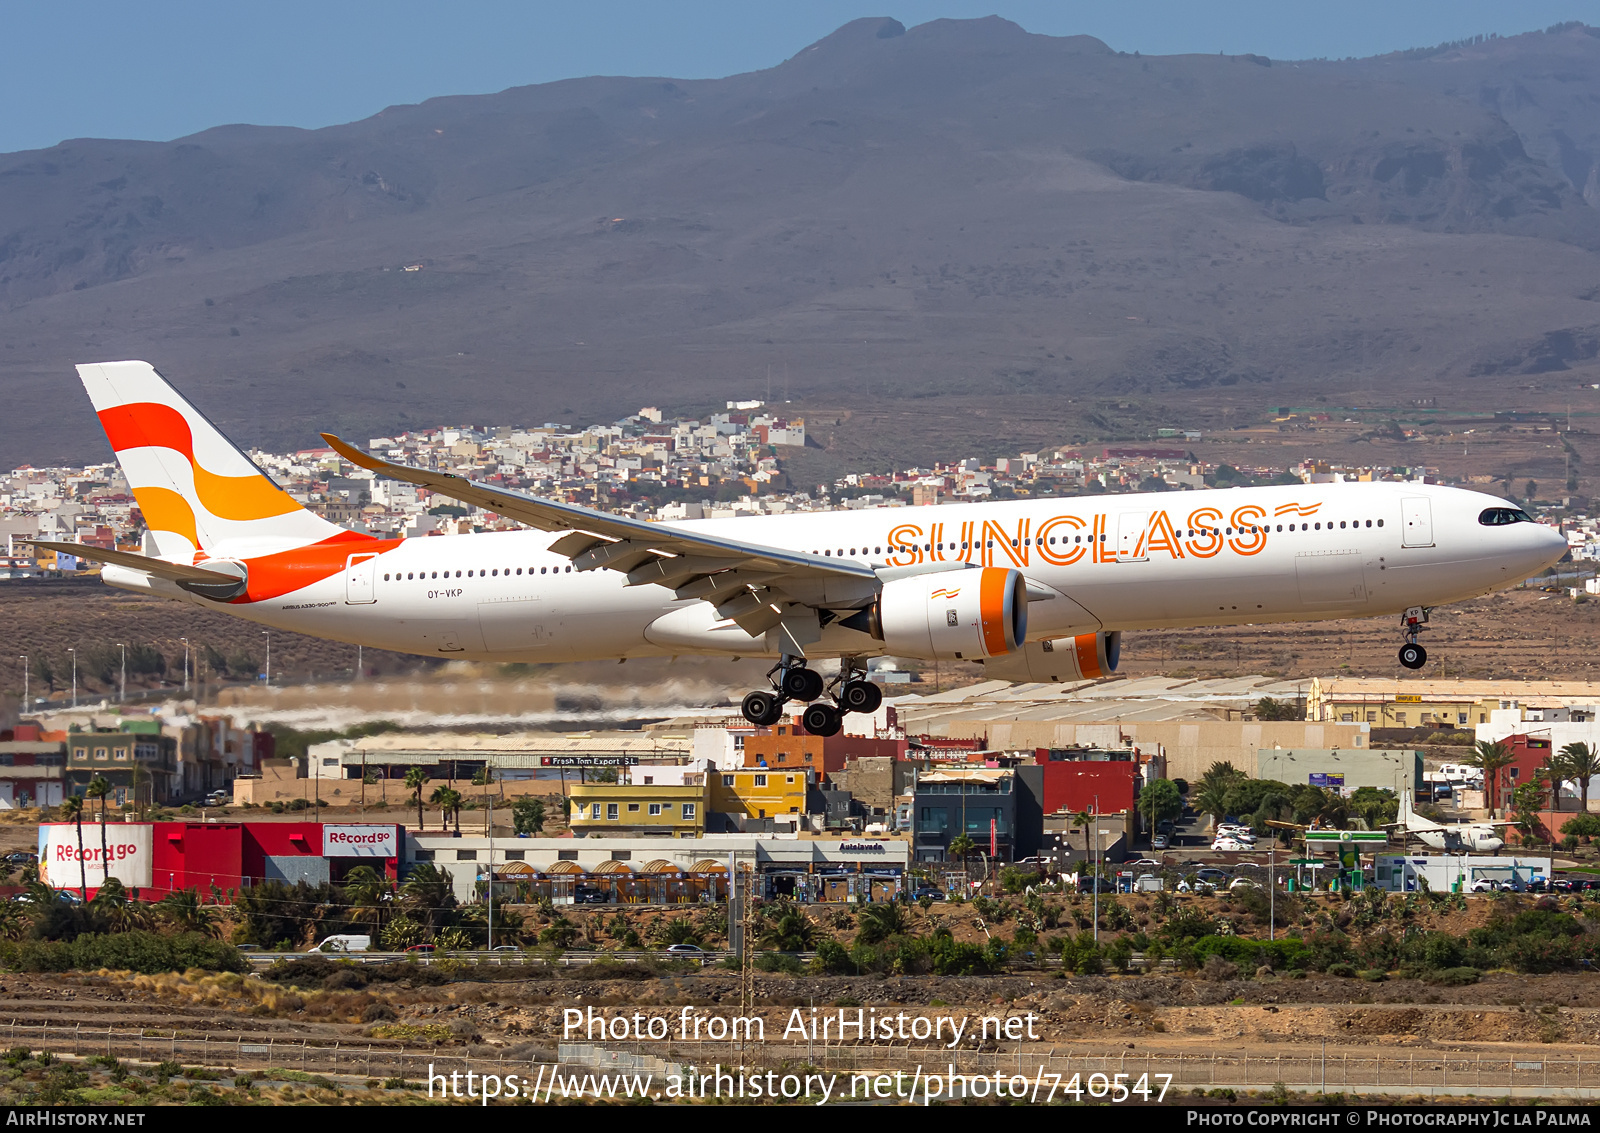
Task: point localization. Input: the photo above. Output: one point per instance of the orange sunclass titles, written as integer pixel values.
(1062, 540)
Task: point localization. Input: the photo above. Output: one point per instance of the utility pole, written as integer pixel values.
(24, 682)
(491, 873)
(122, 688)
(1272, 895)
(1095, 872)
(358, 662)
(185, 641)
(266, 633)
(74, 653)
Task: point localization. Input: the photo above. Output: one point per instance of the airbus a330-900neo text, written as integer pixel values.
(1037, 590)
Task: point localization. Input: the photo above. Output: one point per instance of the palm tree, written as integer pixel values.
(1211, 799)
(1579, 762)
(881, 921)
(428, 895)
(963, 847)
(72, 808)
(99, 787)
(1491, 758)
(448, 800)
(365, 891)
(416, 779)
(790, 931)
(184, 909)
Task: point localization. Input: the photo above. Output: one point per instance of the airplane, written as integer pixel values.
(1036, 589)
(1455, 836)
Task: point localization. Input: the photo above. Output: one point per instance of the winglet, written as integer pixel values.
(354, 455)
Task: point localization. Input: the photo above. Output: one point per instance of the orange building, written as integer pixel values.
(791, 746)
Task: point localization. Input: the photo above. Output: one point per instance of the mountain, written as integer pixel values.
(956, 216)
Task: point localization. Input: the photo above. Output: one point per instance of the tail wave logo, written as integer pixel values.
(942, 592)
(238, 498)
(1301, 510)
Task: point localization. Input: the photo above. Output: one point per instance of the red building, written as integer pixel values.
(1073, 785)
(156, 858)
(1531, 753)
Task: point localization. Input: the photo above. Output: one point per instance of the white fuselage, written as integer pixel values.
(1121, 562)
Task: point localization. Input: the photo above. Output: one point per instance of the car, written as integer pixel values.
(1229, 845)
(505, 948)
(587, 895)
(1096, 884)
(929, 892)
(1144, 863)
(1239, 883)
(1165, 826)
(22, 857)
(1486, 885)
(1211, 875)
(422, 949)
(1561, 885)
(1161, 842)
(1588, 884)
(686, 950)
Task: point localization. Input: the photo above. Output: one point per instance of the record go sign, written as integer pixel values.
(360, 842)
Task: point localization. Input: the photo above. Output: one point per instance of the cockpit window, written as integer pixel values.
(1500, 516)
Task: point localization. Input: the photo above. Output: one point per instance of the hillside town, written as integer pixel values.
(651, 466)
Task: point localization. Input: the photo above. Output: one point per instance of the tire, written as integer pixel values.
(801, 684)
(762, 709)
(860, 696)
(822, 720)
(1413, 656)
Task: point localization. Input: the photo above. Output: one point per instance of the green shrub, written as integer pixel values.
(1280, 955)
(1373, 975)
(1454, 977)
(1348, 971)
(832, 957)
(777, 962)
(136, 951)
(1582, 826)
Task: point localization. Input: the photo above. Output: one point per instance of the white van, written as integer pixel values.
(345, 943)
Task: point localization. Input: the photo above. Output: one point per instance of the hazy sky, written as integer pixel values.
(97, 68)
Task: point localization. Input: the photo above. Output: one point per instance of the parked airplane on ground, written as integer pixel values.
(1038, 590)
(1461, 837)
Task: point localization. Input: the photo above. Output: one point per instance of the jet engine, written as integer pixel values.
(959, 614)
(1085, 656)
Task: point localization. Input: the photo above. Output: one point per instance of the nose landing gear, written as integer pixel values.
(791, 680)
(1413, 621)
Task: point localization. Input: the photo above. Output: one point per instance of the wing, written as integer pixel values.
(757, 586)
(207, 583)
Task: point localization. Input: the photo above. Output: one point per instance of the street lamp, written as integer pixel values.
(24, 682)
(74, 653)
(185, 641)
(122, 688)
(268, 635)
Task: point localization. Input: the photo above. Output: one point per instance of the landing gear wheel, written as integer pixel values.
(762, 709)
(860, 696)
(1413, 656)
(800, 684)
(822, 720)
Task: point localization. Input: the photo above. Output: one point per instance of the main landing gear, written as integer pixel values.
(1413, 621)
(791, 680)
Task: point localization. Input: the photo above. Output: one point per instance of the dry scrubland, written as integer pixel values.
(1417, 1002)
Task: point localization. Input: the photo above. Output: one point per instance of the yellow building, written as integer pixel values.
(670, 810)
(1386, 703)
(761, 792)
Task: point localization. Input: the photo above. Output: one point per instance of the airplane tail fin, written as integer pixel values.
(195, 488)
